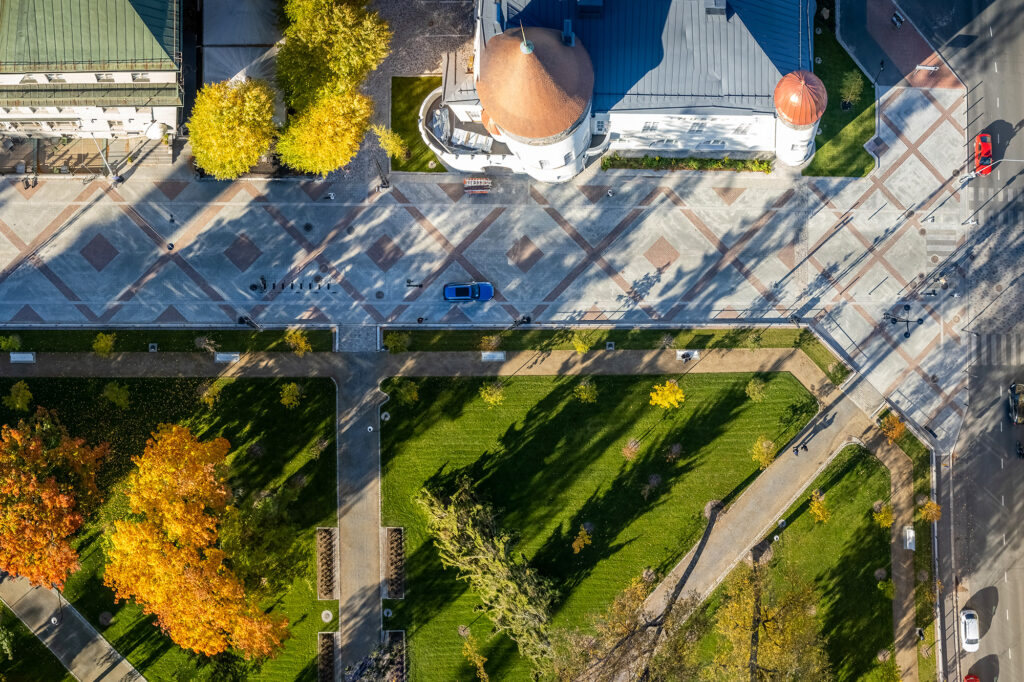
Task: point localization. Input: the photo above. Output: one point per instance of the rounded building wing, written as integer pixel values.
(800, 98)
(535, 88)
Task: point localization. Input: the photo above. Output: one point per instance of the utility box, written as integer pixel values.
(226, 358)
(23, 358)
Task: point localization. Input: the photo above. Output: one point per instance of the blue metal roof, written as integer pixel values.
(670, 56)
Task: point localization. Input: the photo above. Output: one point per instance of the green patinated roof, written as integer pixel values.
(99, 95)
(88, 35)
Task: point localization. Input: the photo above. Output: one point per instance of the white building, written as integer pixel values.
(557, 83)
(89, 68)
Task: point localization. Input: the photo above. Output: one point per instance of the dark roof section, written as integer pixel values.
(99, 95)
(89, 35)
(671, 56)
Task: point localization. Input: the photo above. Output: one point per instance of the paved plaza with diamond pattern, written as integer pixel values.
(615, 247)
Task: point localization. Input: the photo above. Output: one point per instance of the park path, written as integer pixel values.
(74, 642)
(732, 535)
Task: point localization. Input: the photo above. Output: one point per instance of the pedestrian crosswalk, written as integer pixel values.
(939, 243)
(997, 349)
(1005, 207)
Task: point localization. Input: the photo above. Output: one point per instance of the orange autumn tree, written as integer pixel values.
(47, 486)
(167, 559)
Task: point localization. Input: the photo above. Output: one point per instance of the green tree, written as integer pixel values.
(6, 638)
(117, 394)
(290, 395)
(10, 343)
(326, 135)
(298, 341)
(492, 393)
(330, 47)
(763, 452)
(515, 597)
(768, 629)
(392, 143)
(397, 342)
(585, 391)
(756, 389)
(851, 87)
(19, 398)
(103, 344)
(232, 126)
(405, 391)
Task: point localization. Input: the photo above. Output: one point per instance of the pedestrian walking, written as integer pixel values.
(796, 452)
(804, 447)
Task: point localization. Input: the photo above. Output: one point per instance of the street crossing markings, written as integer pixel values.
(998, 349)
(940, 242)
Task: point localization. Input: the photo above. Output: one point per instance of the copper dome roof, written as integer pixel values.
(534, 94)
(800, 98)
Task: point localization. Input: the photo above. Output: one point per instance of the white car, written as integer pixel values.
(970, 631)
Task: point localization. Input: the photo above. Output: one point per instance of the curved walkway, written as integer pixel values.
(358, 375)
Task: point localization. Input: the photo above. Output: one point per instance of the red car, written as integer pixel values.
(983, 154)
(972, 678)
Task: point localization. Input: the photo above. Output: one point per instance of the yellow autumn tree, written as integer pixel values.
(391, 142)
(892, 427)
(327, 134)
(166, 557)
(931, 511)
(232, 126)
(667, 395)
(818, 508)
(763, 451)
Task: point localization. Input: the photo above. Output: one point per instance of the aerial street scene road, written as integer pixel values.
(433, 340)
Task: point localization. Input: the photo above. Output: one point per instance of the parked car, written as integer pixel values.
(972, 678)
(970, 631)
(1015, 395)
(983, 154)
(468, 291)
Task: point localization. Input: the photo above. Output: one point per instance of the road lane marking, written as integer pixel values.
(1004, 539)
(1004, 577)
(997, 102)
(1007, 614)
(1003, 499)
(995, 65)
(989, 31)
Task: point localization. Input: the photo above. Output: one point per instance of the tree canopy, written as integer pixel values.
(166, 557)
(47, 486)
(232, 126)
(516, 598)
(326, 135)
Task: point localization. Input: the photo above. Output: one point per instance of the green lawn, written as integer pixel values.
(843, 134)
(671, 163)
(840, 557)
(32, 662)
(550, 464)
(180, 340)
(248, 414)
(636, 339)
(407, 95)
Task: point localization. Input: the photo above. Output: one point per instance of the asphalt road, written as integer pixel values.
(983, 41)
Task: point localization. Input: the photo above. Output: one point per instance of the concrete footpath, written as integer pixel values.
(74, 642)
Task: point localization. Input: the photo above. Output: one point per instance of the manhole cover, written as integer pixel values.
(379, 294)
(385, 416)
(106, 618)
(326, 616)
(999, 287)
(922, 231)
(323, 267)
(318, 278)
(935, 259)
(956, 318)
(308, 227)
(349, 229)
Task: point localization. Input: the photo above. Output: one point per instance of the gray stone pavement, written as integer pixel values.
(74, 642)
(664, 250)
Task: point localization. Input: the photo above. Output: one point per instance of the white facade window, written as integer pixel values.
(743, 129)
(55, 78)
(650, 127)
(104, 78)
(144, 111)
(600, 126)
(140, 78)
(697, 127)
(28, 78)
(567, 160)
(715, 143)
(541, 163)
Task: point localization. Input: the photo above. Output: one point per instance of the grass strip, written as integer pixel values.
(628, 339)
(168, 340)
(668, 163)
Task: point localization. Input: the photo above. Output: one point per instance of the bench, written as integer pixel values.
(492, 356)
(226, 358)
(23, 358)
(687, 355)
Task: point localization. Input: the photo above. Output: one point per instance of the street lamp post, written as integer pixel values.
(896, 319)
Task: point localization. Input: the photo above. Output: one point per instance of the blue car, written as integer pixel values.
(468, 291)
